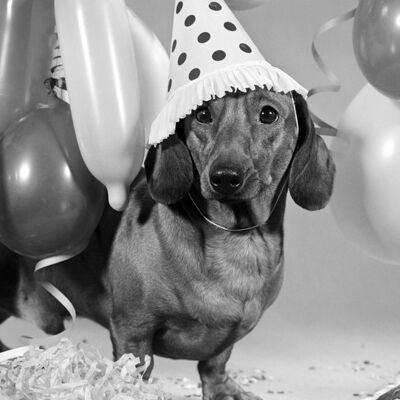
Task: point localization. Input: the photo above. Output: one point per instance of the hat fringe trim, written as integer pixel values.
(216, 84)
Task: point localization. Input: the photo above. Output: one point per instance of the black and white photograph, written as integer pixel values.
(199, 199)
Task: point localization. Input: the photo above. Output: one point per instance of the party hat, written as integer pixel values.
(211, 54)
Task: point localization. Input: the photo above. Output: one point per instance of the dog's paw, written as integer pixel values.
(242, 396)
(228, 390)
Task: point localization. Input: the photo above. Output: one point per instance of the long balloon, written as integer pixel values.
(15, 23)
(103, 87)
(40, 51)
(26, 28)
(153, 67)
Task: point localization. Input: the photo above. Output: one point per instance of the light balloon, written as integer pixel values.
(153, 67)
(366, 196)
(100, 67)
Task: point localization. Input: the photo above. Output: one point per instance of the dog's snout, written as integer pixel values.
(226, 180)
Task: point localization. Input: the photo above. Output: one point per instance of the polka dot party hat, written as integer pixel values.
(211, 54)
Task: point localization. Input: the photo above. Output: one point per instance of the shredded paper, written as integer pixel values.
(75, 372)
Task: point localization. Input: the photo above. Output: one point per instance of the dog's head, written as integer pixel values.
(240, 148)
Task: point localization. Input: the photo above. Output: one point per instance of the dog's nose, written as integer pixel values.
(226, 180)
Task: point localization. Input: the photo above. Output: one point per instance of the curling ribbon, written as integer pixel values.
(334, 83)
(57, 294)
(66, 303)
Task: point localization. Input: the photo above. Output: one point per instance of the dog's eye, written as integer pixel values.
(268, 115)
(203, 115)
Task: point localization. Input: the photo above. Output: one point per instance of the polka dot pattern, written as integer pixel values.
(205, 40)
(218, 55)
(179, 7)
(182, 58)
(211, 55)
(174, 43)
(230, 26)
(194, 74)
(245, 47)
(190, 20)
(215, 6)
(204, 37)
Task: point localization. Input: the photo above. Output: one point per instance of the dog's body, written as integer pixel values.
(198, 255)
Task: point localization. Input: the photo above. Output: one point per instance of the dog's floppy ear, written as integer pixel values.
(313, 170)
(169, 170)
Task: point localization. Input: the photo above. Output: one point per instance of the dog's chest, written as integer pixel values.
(223, 300)
(236, 281)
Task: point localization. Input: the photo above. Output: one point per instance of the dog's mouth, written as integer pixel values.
(250, 204)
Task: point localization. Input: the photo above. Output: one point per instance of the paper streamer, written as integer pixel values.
(14, 353)
(58, 295)
(334, 83)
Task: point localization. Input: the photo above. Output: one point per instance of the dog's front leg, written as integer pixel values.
(217, 385)
(129, 338)
(3, 316)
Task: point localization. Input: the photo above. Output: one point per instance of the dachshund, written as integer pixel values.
(190, 266)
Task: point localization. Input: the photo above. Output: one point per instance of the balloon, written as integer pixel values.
(103, 87)
(49, 202)
(25, 30)
(153, 69)
(244, 4)
(14, 43)
(366, 197)
(40, 51)
(376, 41)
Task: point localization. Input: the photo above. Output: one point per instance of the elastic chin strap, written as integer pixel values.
(223, 228)
(249, 228)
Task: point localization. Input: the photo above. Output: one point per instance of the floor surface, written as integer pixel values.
(278, 360)
(333, 333)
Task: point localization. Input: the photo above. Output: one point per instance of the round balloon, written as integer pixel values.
(376, 41)
(366, 197)
(244, 4)
(50, 204)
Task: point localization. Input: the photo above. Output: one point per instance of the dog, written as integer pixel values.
(190, 266)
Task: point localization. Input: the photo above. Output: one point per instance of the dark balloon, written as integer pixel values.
(244, 4)
(26, 30)
(50, 204)
(376, 41)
